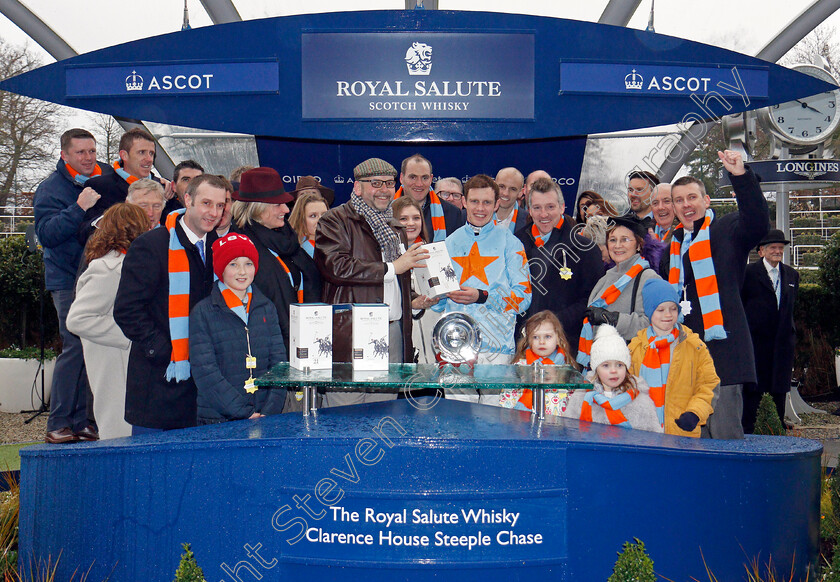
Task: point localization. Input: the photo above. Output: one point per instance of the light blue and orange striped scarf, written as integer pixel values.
(179, 303)
(700, 256)
(558, 358)
(124, 175)
(308, 245)
(81, 178)
(608, 297)
(611, 406)
(235, 304)
(655, 367)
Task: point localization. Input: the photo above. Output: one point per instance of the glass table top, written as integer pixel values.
(417, 376)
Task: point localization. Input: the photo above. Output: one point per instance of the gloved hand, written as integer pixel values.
(599, 315)
(687, 421)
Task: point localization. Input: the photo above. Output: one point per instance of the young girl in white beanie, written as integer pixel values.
(618, 398)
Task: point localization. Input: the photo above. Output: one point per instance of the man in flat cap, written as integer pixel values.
(769, 293)
(359, 250)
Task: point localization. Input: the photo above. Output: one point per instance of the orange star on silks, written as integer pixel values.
(527, 285)
(512, 302)
(523, 255)
(473, 265)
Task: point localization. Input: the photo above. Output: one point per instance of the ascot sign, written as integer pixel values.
(181, 78)
(666, 80)
(369, 76)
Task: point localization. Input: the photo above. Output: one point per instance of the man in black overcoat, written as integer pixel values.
(731, 238)
(141, 308)
(564, 265)
(769, 293)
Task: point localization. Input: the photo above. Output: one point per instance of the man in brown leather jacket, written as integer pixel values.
(359, 251)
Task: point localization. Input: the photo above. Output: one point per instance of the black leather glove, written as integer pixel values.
(687, 421)
(599, 315)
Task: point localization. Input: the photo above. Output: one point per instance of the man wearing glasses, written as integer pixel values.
(451, 190)
(640, 187)
(441, 217)
(361, 256)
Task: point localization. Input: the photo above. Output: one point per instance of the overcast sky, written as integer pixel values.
(745, 26)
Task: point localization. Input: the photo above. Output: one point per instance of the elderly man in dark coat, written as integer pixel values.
(769, 293)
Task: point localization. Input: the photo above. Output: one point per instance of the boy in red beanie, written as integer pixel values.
(235, 337)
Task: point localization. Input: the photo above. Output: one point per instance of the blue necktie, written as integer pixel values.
(200, 246)
(777, 285)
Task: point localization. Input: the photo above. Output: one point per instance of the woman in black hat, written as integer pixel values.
(621, 286)
(286, 275)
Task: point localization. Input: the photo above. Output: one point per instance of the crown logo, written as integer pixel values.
(633, 81)
(418, 59)
(134, 82)
(339, 179)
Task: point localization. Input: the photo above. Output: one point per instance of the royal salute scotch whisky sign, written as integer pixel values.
(418, 76)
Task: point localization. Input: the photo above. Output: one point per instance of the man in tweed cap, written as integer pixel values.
(361, 254)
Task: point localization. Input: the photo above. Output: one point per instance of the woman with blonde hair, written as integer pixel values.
(287, 274)
(91, 316)
(408, 213)
(309, 207)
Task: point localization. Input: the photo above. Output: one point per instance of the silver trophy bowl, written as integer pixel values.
(456, 339)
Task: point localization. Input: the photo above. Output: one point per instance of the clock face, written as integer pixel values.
(806, 121)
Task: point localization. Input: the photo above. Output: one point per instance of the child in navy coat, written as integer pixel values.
(235, 337)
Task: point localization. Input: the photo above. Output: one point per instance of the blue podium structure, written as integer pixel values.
(390, 492)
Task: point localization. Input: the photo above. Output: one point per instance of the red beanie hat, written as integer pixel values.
(232, 246)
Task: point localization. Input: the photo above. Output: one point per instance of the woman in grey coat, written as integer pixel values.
(625, 312)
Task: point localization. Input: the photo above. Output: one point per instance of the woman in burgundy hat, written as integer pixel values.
(287, 275)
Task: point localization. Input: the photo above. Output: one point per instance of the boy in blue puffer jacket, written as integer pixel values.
(235, 337)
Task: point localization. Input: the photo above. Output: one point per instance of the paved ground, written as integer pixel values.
(831, 451)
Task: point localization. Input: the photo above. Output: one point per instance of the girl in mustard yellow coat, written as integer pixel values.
(674, 362)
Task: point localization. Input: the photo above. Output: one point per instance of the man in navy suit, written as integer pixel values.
(769, 293)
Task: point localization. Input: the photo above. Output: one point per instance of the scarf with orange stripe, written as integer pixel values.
(607, 298)
(179, 302)
(700, 256)
(611, 406)
(558, 358)
(81, 178)
(308, 245)
(288, 272)
(514, 215)
(539, 238)
(655, 367)
(124, 175)
(238, 306)
(661, 233)
(438, 222)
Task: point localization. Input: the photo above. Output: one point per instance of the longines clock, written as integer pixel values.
(805, 122)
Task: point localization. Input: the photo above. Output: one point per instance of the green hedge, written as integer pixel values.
(21, 277)
(817, 317)
(804, 221)
(810, 258)
(806, 238)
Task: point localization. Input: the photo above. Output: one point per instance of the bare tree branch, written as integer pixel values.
(28, 130)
